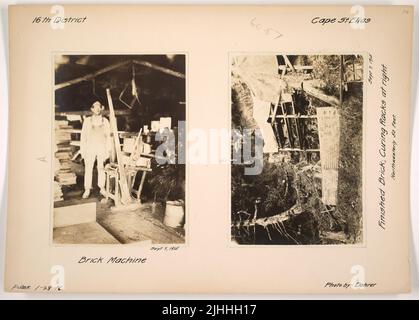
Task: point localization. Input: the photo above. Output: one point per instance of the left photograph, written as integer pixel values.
(118, 149)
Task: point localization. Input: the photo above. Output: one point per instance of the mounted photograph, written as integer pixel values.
(297, 146)
(119, 172)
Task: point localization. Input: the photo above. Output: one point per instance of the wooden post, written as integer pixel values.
(287, 125)
(341, 81)
(354, 69)
(125, 193)
(140, 187)
(297, 125)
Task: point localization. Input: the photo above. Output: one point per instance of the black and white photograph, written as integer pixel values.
(298, 179)
(119, 172)
(150, 152)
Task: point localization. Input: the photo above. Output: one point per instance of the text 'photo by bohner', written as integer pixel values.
(296, 173)
(119, 177)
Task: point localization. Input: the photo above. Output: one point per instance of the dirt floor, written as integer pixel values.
(142, 225)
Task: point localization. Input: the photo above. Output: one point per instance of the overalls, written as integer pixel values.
(95, 142)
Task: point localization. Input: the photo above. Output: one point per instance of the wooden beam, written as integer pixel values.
(299, 149)
(115, 66)
(91, 75)
(303, 116)
(88, 113)
(298, 67)
(316, 93)
(159, 68)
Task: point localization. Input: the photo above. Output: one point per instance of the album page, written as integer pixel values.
(209, 149)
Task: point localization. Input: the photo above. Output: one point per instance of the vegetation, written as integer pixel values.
(349, 207)
(168, 182)
(292, 179)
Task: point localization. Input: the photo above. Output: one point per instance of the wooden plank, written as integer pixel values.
(136, 146)
(275, 125)
(274, 112)
(283, 69)
(74, 214)
(140, 187)
(329, 135)
(125, 193)
(85, 233)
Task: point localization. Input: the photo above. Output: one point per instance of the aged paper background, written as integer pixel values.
(208, 263)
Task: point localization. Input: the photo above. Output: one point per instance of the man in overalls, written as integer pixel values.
(95, 144)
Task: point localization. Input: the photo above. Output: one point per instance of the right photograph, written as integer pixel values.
(297, 149)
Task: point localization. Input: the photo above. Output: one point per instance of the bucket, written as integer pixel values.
(174, 214)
